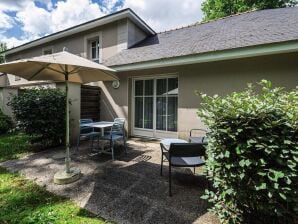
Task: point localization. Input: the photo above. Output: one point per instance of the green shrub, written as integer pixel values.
(40, 113)
(5, 123)
(253, 154)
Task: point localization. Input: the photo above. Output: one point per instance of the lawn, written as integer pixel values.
(13, 146)
(23, 201)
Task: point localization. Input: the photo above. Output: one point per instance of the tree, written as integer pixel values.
(3, 47)
(214, 9)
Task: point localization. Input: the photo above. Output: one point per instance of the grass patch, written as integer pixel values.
(14, 146)
(22, 201)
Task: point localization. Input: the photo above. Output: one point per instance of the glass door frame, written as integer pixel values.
(152, 133)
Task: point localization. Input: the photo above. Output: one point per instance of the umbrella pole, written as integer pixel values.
(67, 157)
(68, 175)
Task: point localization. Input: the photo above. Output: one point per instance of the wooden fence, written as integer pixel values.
(90, 102)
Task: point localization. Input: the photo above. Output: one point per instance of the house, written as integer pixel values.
(161, 72)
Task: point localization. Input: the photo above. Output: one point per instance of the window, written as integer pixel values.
(95, 51)
(166, 104)
(92, 47)
(47, 51)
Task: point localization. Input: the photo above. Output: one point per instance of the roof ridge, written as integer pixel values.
(210, 21)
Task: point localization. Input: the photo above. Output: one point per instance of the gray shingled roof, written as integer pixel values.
(247, 29)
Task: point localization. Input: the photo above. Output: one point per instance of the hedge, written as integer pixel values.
(40, 113)
(252, 154)
(5, 123)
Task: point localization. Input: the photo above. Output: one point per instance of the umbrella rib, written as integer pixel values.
(40, 70)
(55, 70)
(78, 69)
(63, 69)
(75, 70)
(112, 75)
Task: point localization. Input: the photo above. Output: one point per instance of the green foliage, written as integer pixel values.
(5, 123)
(3, 48)
(41, 114)
(13, 146)
(214, 9)
(253, 154)
(23, 201)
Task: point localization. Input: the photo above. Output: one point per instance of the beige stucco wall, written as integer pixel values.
(74, 91)
(211, 78)
(5, 97)
(3, 80)
(135, 34)
(113, 38)
(74, 43)
(110, 40)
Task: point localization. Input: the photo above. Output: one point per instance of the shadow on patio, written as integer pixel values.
(127, 190)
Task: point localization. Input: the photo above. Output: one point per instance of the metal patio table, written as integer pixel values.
(101, 124)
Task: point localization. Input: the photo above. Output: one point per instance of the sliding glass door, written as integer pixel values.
(144, 97)
(155, 107)
(166, 104)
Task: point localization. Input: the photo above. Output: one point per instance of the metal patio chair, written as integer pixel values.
(116, 133)
(182, 155)
(87, 132)
(123, 133)
(197, 139)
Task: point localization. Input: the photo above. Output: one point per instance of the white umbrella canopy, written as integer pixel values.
(55, 66)
(62, 66)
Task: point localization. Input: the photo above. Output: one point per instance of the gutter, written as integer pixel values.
(230, 54)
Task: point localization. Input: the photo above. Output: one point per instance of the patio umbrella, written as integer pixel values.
(62, 66)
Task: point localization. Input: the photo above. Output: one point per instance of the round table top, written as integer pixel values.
(168, 141)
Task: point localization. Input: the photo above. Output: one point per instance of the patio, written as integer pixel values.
(127, 190)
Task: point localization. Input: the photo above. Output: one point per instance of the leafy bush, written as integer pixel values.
(253, 154)
(5, 123)
(41, 114)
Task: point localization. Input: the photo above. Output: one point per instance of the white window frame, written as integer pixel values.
(88, 48)
(96, 58)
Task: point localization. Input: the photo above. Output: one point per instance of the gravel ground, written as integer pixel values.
(126, 190)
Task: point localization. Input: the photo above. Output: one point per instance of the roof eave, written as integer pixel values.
(230, 54)
(126, 13)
